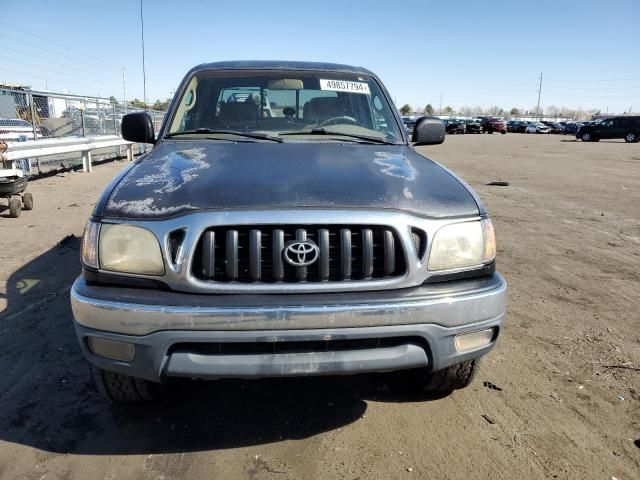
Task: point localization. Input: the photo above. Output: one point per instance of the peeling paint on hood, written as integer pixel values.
(395, 165)
(182, 176)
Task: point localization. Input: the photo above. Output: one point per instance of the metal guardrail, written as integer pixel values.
(15, 151)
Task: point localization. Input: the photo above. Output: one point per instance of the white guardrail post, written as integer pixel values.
(12, 151)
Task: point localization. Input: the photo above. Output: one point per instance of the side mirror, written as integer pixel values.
(137, 127)
(428, 131)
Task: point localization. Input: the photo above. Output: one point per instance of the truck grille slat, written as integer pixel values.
(345, 253)
(389, 257)
(208, 254)
(254, 254)
(232, 254)
(367, 252)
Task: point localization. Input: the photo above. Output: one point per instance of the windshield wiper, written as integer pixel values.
(324, 131)
(205, 131)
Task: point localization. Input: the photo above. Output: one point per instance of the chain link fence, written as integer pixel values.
(29, 114)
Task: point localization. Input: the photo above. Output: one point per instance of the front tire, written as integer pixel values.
(631, 137)
(120, 388)
(586, 137)
(448, 379)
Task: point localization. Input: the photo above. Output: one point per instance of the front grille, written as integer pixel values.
(255, 253)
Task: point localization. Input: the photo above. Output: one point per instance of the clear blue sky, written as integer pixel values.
(475, 52)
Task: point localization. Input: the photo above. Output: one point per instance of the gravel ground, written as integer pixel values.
(558, 398)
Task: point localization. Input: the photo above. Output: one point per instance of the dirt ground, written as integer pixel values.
(558, 398)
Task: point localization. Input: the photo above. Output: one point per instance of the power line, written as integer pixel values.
(101, 73)
(66, 48)
(61, 72)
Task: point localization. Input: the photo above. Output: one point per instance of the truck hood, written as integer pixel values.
(179, 177)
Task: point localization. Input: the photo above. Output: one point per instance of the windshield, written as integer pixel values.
(285, 103)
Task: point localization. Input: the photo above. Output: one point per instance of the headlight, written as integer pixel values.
(463, 245)
(129, 249)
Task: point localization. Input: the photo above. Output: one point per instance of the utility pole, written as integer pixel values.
(144, 74)
(539, 92)
(124, 90)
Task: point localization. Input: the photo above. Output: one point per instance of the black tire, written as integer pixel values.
(27, 201)
(489, 132)
(447, 380)
(120, 388)
(586, 137)
(631, 137)
(503, 133)
(15, 207)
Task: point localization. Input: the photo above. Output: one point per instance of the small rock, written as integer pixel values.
(580, 387)
(620, 397)
(409, 469)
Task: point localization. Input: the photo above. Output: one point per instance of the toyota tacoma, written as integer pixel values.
(283, 224)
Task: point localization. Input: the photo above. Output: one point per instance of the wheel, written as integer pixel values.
(446, 380)
(120, 388)
(15, 207)
(489, 132)
(503, 133)
(27, 201)
(585, 137)
(631, 137)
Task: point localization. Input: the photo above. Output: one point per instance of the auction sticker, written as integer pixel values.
(344, 86)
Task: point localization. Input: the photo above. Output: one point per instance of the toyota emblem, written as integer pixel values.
(300, 253)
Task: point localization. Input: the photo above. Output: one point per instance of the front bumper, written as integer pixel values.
(198, 336)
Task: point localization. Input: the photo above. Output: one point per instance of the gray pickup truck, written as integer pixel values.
(284, 225)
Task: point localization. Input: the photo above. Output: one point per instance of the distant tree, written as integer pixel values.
(113, 100)
(515, 112)
(448, 110)
(161, 105)
(465, 111)
(552, 111)
(405, 109)
(476, 111)
(137, 103)
(428, 110)
(495, 110)
(537, 111)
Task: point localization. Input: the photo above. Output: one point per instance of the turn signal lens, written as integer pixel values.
(489, 241)
(90, 244)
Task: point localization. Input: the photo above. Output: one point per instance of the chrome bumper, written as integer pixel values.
(140, 312)
(177, 334)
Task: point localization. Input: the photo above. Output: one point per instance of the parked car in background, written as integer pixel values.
(554, 127)
(409, 123)
(626, 127)
(537, 127)
(15, 130)
(473, 126)
(571, 128)
(454, 126)
(517, 126)
(493, 124)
